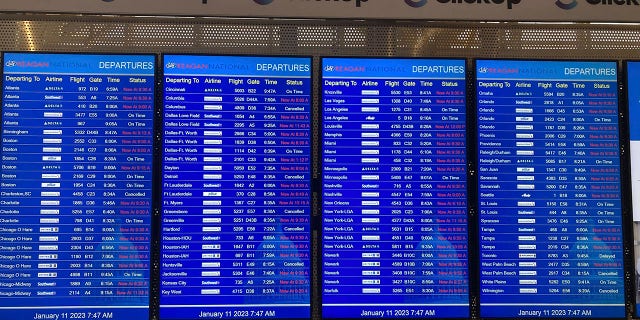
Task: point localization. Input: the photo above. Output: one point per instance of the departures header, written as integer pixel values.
(397, 68)
(237, 66)
(546, 70)
(79, 63)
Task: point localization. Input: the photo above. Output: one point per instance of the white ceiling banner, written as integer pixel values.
(472, 10)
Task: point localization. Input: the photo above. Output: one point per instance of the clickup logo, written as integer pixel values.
(263, 2)
(415, 3)
(567, 6)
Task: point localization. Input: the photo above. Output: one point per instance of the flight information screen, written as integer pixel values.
(75, 188)
(633, 79)
(549, 190)
(236, 188)
(394, 236)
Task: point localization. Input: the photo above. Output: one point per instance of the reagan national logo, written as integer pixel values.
(23, 64)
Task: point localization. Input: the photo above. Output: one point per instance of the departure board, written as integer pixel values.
(394, 235)
(236, 188)
(633, 94)
(75, 192)
(549, 190)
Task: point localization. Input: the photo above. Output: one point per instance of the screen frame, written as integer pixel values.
(631, 283)
(619, 72)
(153, 227)
(470, 161)
(161, 91)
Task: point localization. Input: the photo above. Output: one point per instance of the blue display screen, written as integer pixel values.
(236, 188)
(549, 190)
(633, 79)
(394, 198)
(75, 192)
